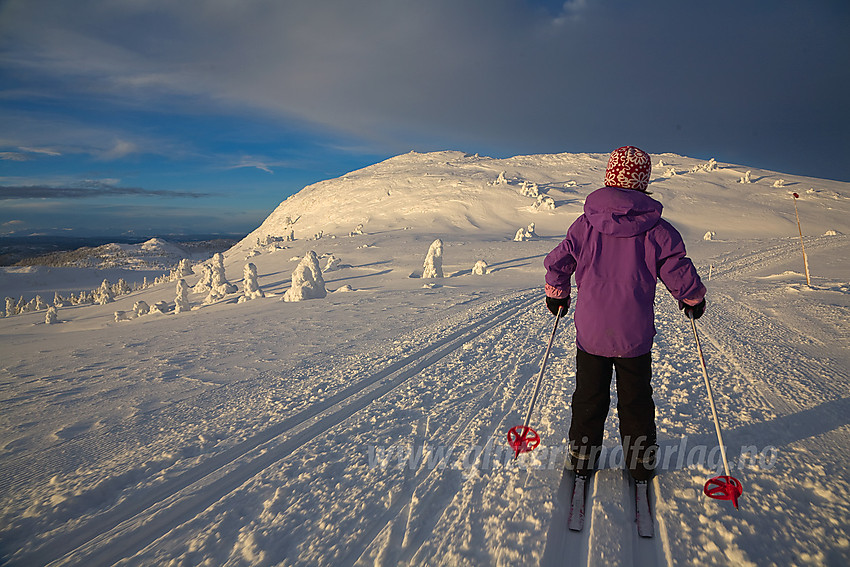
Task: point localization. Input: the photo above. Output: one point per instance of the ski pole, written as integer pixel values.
(518, 436)
(720, 487)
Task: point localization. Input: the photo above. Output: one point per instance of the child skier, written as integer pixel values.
(618, 249)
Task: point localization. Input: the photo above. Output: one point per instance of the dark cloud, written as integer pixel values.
(762, 82)
(88, 189)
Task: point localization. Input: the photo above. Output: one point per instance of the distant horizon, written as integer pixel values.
(14, 249)
(140, 237)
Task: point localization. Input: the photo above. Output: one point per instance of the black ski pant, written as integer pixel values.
(636, 410)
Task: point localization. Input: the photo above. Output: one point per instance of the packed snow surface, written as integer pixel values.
(368, 427)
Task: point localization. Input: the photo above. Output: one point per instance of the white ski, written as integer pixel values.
(576, 520)
(643, 517)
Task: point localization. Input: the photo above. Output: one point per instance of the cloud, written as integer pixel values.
(486, 74)
(120, 149)
(26, 154)
(42, 151)
(35, 133)
(14, 156)
(263, 164)
(87, 189)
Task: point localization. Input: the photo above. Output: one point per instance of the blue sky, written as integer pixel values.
(156, 117)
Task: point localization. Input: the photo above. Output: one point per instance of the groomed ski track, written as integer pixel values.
(142, 520)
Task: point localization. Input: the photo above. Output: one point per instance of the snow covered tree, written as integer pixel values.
(104, 294)
(160, 307)
(544, 202)
(219, 278)
(184, 268)
(40, 305)
(527, 189)
(332, 264)
(121, 287)
(58, 300)
(252, 287)
(219, 286)
(746, 178)
(181, 301)
(520, 235)
(779, 183)
(434, 260)
(707, 167)
(358, 230)
(501, 180)
(141, 308)
(51, 316)
(122, 316)
(10, 307)
(307, 281)
(205, 283)
(480, 268)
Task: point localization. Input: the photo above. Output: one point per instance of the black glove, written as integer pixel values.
(553, 303)
(693, 311)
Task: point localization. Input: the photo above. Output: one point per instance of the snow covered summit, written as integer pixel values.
(446, 190)
(452, 191)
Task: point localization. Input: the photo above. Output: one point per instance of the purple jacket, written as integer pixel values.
(618, 249)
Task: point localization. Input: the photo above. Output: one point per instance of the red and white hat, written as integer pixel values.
(628, 168)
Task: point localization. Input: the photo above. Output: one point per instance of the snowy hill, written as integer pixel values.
(86, 267)
(448, 191)
(368, 427)
(153, 254)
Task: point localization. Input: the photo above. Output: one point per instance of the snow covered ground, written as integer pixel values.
(367, 428)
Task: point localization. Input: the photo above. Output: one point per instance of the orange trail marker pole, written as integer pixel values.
(800, 230)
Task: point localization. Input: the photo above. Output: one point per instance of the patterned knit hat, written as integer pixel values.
(628, 168)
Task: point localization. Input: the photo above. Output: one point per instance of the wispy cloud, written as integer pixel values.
(42, 151)
(38, 133)
(28, 154)
(121, 148)
(14, 156)
(261, 163)
(87, 189)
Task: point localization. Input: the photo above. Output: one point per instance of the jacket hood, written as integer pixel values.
(621, 212)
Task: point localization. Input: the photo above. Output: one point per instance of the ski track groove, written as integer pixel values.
(395, 515)
(779, 394)
(646, 552)
(736, 264)
(137, 522)
(561, 542)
